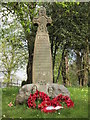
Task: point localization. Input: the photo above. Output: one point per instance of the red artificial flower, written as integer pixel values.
(69, 103)
(46, 102)
(10, 104)
(59, 97)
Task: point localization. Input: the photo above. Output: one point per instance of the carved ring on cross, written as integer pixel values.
(42, 20)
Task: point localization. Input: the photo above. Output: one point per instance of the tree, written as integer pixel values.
(69, 29)
(14, 53)
(24, 12)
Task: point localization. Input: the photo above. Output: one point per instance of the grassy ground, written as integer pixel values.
(78, 95)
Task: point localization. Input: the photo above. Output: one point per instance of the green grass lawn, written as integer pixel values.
(78, 95)
(0, 102)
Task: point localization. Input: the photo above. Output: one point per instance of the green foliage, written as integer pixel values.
(70, 23)
(25, 13)
(57, 62)
(69, 29)
(14, 53)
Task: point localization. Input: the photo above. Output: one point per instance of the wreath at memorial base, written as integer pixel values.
(41, 101)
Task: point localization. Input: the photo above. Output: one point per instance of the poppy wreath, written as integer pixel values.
(42, 101)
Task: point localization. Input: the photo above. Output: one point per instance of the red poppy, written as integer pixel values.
(47, 103)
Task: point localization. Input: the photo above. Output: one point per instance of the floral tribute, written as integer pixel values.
(10, 104)
(42, 101)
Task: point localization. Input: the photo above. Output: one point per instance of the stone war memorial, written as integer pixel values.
(42, 64)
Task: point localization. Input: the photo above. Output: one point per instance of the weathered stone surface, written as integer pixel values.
(42, 60)
(52, 90)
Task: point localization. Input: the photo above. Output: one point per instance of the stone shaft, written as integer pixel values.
(42, 59)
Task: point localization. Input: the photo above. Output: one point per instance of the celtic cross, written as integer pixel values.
(42, 20)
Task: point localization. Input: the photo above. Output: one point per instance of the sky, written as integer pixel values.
(21, 75)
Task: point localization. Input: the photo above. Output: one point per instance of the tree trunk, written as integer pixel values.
(67, 69)
(30, 40)
(64, 69)
(64, 73)
(54, 57)
(61, 62)
(85, 72)
(78, 64)
(80, 82)
(8, 77)
(86, 63)
(29, 70)
(84, 66)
